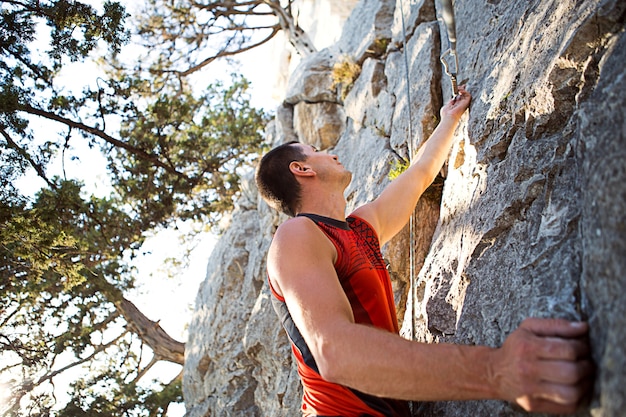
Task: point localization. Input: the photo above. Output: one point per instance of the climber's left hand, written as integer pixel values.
(457, 105)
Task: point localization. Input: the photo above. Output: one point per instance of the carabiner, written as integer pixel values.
(451, 74)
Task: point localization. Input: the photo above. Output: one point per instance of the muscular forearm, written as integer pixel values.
(543, 366)
(428, 161)
(389, 366)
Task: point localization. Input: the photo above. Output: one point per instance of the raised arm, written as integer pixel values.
(542, 366)
(392, 209)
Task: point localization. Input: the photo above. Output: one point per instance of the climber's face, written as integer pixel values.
(326, 166)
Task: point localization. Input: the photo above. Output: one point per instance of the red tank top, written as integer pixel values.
(365, 280)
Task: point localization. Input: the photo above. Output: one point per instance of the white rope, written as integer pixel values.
(412, 289)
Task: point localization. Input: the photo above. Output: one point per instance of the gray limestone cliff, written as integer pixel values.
(527, 219)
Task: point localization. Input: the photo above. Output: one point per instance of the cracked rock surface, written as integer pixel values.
(527, 219)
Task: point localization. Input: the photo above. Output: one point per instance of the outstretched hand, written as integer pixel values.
(545, 366)
(457, 105)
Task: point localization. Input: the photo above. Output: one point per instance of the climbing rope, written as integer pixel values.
(410, 150)
(408, 80)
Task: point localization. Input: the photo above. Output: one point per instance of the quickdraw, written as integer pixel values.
(448, 18)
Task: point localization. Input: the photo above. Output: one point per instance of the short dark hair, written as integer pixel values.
(277, 185)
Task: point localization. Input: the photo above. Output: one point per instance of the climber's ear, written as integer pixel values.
(301, 169)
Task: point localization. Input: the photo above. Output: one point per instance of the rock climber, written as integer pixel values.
(333, 295)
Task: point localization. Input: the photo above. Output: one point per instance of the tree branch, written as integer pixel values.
(107, 138)
(224, 53)
(228, 5)
(150, 332)
(27, 7)
(28, 385)
(298, 37)
(163, 345)
(38, 167)
(97, 350)
(145, 369)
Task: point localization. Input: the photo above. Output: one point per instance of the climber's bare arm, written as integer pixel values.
(542, 365)
(390, 212)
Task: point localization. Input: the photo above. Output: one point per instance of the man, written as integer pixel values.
(333, 295)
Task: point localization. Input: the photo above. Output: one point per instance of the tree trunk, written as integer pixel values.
(297, 36)
(150, 332)
(163, 345)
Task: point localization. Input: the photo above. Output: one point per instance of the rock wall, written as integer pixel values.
(527, 219)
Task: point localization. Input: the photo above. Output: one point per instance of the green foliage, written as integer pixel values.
(77, 28)
(379, 46)
(110, 394)
(206, 141)
(344, 73)
(174, 153)
(398, 166)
